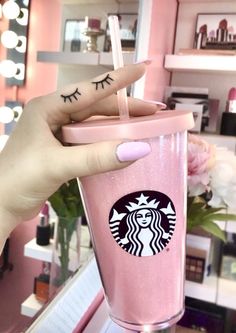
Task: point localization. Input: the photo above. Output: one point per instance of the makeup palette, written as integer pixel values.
(195, 265)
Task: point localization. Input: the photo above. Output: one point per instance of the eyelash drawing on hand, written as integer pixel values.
(107, 80)
(71, 96)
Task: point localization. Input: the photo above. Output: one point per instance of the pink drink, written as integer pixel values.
(137, 218)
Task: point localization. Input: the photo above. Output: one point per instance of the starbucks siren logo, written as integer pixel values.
(142, 223)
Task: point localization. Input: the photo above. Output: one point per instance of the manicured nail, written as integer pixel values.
(145, 61)
(162, 105)
(132, 150)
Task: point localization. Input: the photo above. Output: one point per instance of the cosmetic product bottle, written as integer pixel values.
(228, 121)
(43, 229)
(41, 283)
(75, 42)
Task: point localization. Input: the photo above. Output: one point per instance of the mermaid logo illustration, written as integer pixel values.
(142, 223)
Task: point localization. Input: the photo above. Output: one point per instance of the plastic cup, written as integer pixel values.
(137, 218)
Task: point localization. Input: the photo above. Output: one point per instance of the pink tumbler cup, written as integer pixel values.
(137, 218)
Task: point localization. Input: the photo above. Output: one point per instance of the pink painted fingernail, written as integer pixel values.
(132, 150)
(160, 104)
(145, 61)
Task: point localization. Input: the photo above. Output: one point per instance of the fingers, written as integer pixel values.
(79, 96)
(79, 161)
(109, 107)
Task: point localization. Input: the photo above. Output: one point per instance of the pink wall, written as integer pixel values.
(162, 34)
(44, 34)
(17, 285)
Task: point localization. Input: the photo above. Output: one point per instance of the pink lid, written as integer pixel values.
(112, 128)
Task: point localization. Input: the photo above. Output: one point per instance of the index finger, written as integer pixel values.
(81, 95)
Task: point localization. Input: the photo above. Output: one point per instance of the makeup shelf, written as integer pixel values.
(33, 250)
(82, 58)
(31, 305)
(76, 301)
(191, 63)
(201, 63)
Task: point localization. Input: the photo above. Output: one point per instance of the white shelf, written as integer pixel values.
(31, 306)
(45, 253)
(206, 291)
(33, 250)
(220, 140)
(75, 58)
(106, 58)
(231, 226)
(200, 63)
(82, 58)
(226, 293)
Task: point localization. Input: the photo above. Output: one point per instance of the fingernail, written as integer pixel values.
(162, 105)
(132, 150)
(146, 61)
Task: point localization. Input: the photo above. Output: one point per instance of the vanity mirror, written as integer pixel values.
(15, 41)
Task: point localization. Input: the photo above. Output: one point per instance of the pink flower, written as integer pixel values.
(200, 160)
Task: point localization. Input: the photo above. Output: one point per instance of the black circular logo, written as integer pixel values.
(142, 223)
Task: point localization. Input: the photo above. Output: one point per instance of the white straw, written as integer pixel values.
(118, 62)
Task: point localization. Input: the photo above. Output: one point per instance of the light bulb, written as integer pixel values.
(8, 68)
(26, 3)
(11, 10)
(21, 46)
(23, 18)
(9, 39)
(6, 114)
(3, 141)
(20, 74)
(17, 112)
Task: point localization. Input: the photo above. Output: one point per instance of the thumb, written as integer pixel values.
(85, 160)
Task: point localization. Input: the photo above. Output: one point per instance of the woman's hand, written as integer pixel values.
(34, 162)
